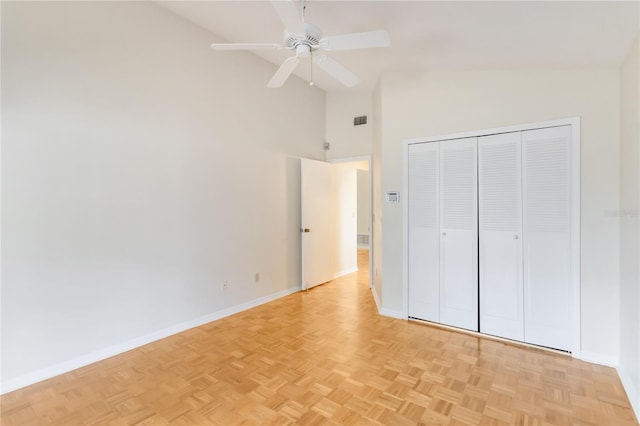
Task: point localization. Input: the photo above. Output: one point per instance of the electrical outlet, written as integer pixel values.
(257, 277)
(224, 285)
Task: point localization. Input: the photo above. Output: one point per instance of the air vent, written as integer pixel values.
(359, 121)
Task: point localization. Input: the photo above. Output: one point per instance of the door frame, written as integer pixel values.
(574, 122)
(368, 159)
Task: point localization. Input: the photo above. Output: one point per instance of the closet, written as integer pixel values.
(491, 233)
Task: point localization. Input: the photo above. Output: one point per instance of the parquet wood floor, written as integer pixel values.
(326, 357)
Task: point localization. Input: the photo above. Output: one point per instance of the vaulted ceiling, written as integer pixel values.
(436, 35)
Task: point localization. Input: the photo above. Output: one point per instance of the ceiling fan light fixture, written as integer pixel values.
(303, 50)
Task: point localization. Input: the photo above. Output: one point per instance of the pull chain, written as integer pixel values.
(311, 69)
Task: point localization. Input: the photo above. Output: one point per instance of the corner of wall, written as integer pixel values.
(376, 193)
(629, 366)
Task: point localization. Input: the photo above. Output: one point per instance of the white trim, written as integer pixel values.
(303, 285)
(72, 364)
(345, 272)
(497, 130)
(375, 298)
(351, 159)
(370, 222)
(574, 122)
(488, 337)
(633, 394)
(596, 358)
(384, 311)
(575, 237)
(393, 314)
(405, 229)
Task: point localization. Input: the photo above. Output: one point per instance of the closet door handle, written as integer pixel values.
(516, 237)
(444, 234)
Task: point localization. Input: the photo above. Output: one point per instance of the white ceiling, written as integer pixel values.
(436, 35)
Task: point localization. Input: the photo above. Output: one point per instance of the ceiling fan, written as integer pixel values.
(305, 38)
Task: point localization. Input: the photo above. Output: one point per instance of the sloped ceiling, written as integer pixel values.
(434, 35)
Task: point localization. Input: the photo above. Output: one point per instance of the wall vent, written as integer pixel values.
(359, 121)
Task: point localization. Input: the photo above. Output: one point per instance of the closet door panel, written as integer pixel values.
(547, 236)
(500, 235)
(458, 233)
(458, 291)
(424, 232)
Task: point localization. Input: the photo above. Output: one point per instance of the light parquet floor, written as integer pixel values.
(326, 357)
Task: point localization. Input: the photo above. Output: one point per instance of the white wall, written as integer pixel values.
(436, 103)
(345, 189)
(629, 227)
(376, 194)
(346, 139)
(364, 202)
(139, 169)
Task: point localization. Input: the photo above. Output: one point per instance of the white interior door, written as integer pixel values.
(546, 161)
(500, 232)
(316, 222)
(424, 231)
(459, 233)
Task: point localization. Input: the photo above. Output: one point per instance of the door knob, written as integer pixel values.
(306, 230)
(515, 236)
(444, 234)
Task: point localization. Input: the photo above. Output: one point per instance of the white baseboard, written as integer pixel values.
(72, 364)
(393, 314)
(633, 393)
(384, 311)
(596, 358)
(375, 298)
(345, 272)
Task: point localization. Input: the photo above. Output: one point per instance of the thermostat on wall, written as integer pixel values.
(392, 197)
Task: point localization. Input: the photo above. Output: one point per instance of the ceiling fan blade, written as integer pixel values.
(283, 72)
(289, 15)
(246, 46)
(336, 70)
(364, 40)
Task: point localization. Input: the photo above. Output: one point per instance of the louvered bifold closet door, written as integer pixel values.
(546, 155)
(500, 235)
(459, 233)
(424, 232)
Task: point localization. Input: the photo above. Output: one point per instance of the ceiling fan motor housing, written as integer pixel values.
(304, 44)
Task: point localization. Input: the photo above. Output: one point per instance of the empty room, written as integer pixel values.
(320, 212)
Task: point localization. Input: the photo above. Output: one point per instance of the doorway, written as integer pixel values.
(335, 219)
(352, 216)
